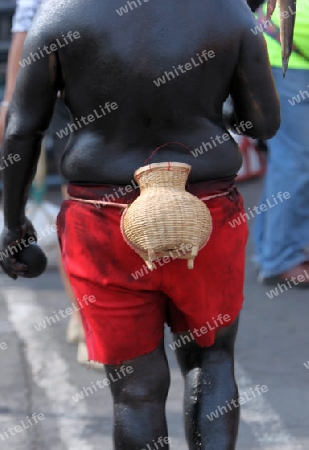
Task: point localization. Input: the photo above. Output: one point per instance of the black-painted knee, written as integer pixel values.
(148, 381)
(147, 388)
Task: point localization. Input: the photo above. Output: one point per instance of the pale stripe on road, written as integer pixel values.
(49, 370)
(265, 424)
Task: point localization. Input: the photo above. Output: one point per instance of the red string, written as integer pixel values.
(164, 145)
(168, 169)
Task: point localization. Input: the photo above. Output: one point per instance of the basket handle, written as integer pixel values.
(164, 145)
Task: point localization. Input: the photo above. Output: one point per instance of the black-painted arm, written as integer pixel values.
(253, 90)
(28, 118)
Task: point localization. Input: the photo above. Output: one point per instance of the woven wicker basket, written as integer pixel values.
(166, 220)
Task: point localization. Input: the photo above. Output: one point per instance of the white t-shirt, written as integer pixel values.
(24, 13)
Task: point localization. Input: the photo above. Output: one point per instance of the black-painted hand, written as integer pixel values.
(12, 242)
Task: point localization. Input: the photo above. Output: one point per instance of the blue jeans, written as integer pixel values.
(281, 232)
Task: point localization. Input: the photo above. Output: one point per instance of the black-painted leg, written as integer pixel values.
(209, 384)
(139, 402)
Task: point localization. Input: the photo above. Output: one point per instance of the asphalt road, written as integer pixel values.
(40, 376)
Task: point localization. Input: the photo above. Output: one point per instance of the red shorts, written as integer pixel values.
(123, 305)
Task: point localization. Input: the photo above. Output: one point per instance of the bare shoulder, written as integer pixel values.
(240, 14)
(251, 37)
(52, 22)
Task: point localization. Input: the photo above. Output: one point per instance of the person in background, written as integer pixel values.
(24, 14)
(281, 234)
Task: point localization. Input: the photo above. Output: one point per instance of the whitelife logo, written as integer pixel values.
(124, 9)
(9, 160)
(184, 339)
(236, 403)
(286, 286)
(294, 100)
(220, 139)
(71, 127)
(154, 445)
(183, 68)
(11, 431)
(64, 313)
(244, 217)
(49, 49)
(123, 372)
(24, 243)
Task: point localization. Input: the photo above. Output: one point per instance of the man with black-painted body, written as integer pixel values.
(115, 60)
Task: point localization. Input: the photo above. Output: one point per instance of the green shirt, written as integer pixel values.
(301, 37)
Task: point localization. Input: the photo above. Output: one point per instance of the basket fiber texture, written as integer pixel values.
(166, 220)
